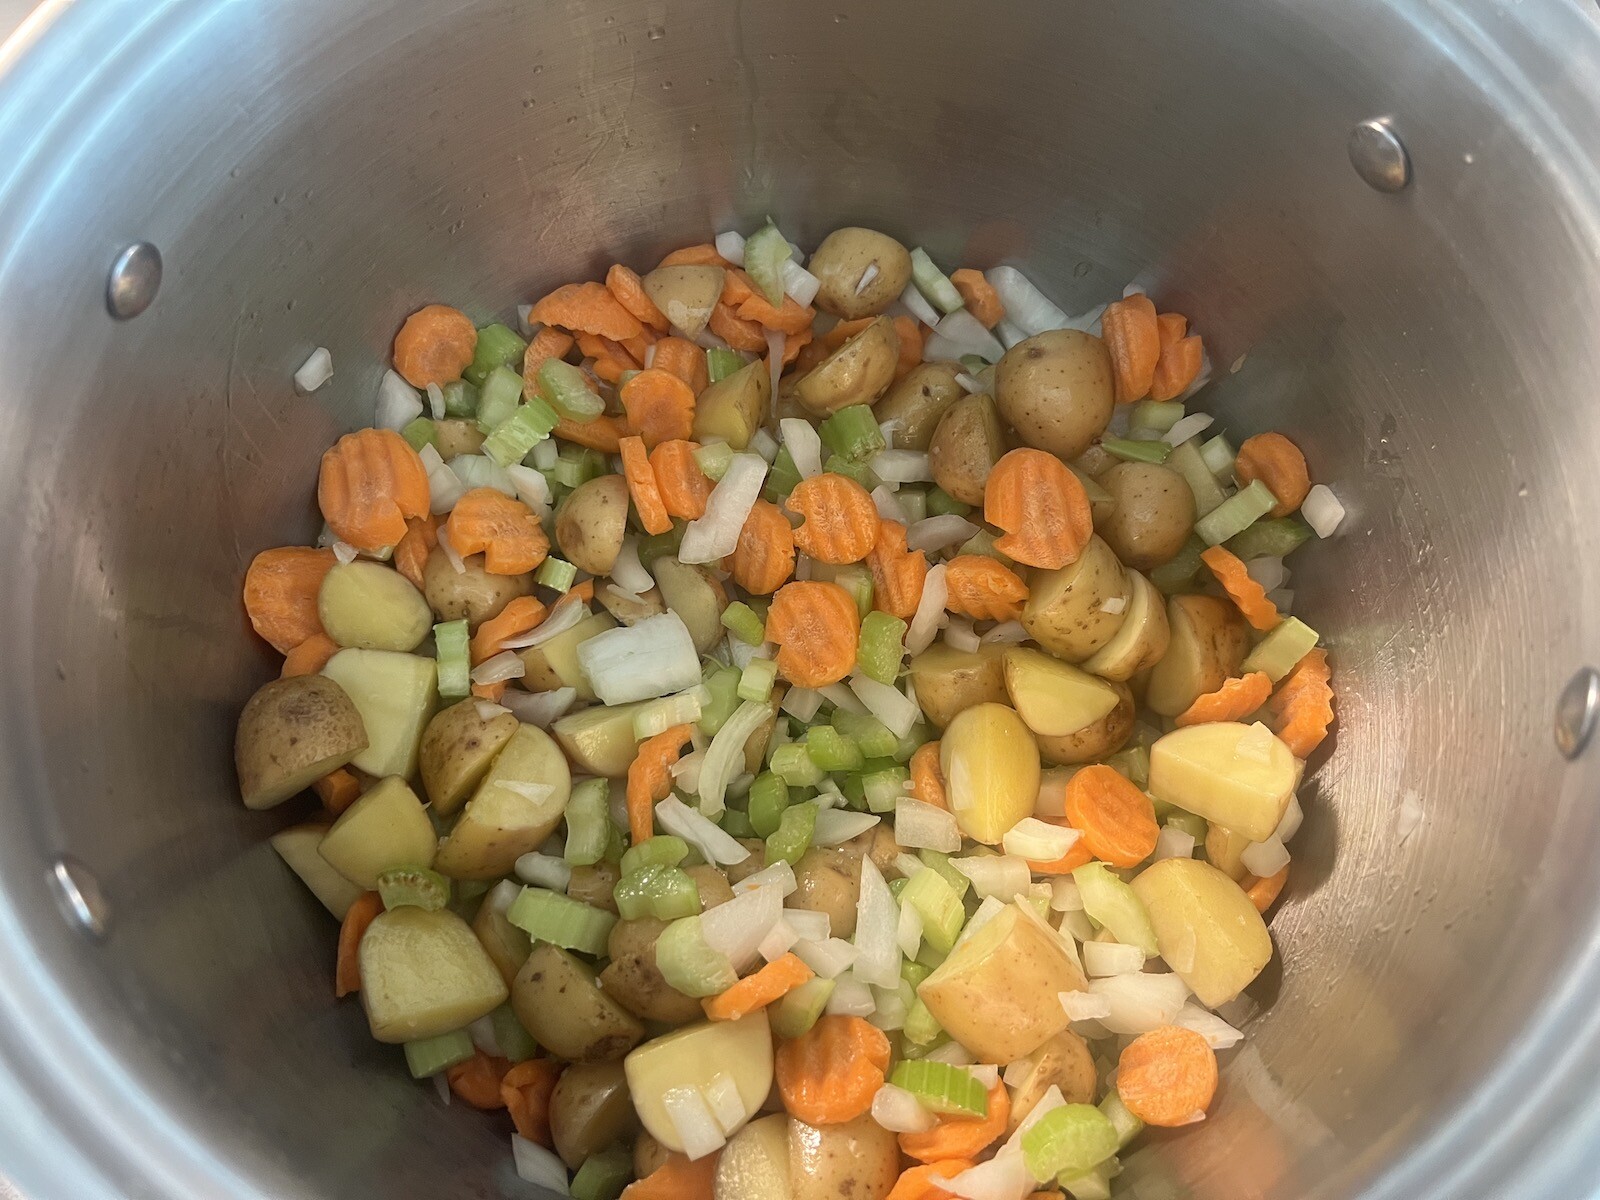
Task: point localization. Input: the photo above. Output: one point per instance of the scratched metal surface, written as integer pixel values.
(314, 171)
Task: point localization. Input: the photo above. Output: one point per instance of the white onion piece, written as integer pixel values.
(1075, 924)
(765, 445)
(544, 870)
(1027, 308)
(922, 826)
(1186, 427)
(829, 958)
(725, 756)
(479, 470)
(1103, 959)
(1140, 1003)
(969, 385)
(779, 875)
(344, 551)
(398, 403)
(544, 455)
(436, 404)
(1322, 510)
(1219, 1035)
(898, 1111)
(1064, 894)
(998, 876)
(444, 485)
(557, 621)
(538, 1166)
(887, 703)
(448, 549)
(987, 1074)
(1265, 859)
(694, 1122)
(737, 927)
(706, 836)
(959, 635)
(627, 572)
(483, 1037)
(961, 333)
(867, 277)
(1174, 843)
(1009, 332)
(901, 466)
(1085, 1006)
(935, 533)
(840, 696)
(1270, 573)
(775, 340)
(887, 503)
(315, 371)
(1003, 1177)
(987, 911)
(1052, 801)
(686, 771)
(540, 708)
(655, 657)
(804, 444)
(811, 926)
(876, 917)
(533, 489)
(524, 311)
(908, 932)
(722, 1097)
(500, 668)
(920, 309)
(799, 284)
(731, 246)
(487, 710)
(1039, 840)
(714, 536)
(1007, 632)
(1292, 818)
(801, 703)
(836, 826)
(1113, 604)
(851, 998)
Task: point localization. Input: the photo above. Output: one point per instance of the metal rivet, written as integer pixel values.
(1577, 711)
(1379, 156)
(79, 895)
(135, 279)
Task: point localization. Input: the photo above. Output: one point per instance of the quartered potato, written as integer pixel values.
(386, 827)
(297, 846)
(967, 442)
(1096, 740)
(471, 594)
(916, 403)
(686, 294)
(457, 748)
(829, 882)
(697, 1057)
(1239, 776)
(755, 1163)
(855, 373)
(518, 805)
(1209, 932)
(1054, 698)
(947, 680)
(589, 1110)
(732, 409)
(1076, 609)
(1208, 642)
(695, 595)
(1225, 851)
(554, 664)
(858, 1158)
(599, 740)
(293, 732)
(861, 272)
(1064, 1062)
(455, 436)
(506, 945)
(396, 695)
(423, 974)
(591, 522)
(556, 998)
(372, 606)
(1141, 640)
(635, 982)
(990, 764)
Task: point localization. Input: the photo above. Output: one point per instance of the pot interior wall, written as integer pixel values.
(311, 187)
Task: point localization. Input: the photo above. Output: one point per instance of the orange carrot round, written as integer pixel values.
(641, 479)
(586, 308)
(982, 300)
(703, 255)
(650, 778)
(548, 343)
(610, 360)
(1042, 507)
(841, 521)
(337, 790)
(604, 433)
(927, 780)
(361, 913)
(1167, 1077)
(1235, 700)
(984, 588)
(683, 485)
(1302, 709)
(659, 405)
(526, 1089)
(962, 1137)
(503, 530)
(909, 331)
(629, 291)
(917, 1183)
(1117, 820)
(523, 615)
(678, 1178)
(735, 330)
(477, 1081)
(370, 484)
(794, 343)
(1133, 337)
(1278, 463)
(280, 594)
(788, 317)
(829, 1074)
(772, 982)
(685, 360)
(1248, 596)
(816, 627)
(1180, 361)
(1263, 892)
(309, 657)
(898, 573)
(435, 345)
(763, 559)
(411, 552)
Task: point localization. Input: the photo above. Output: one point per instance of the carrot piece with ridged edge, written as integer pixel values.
(1302, 709)
(660, 406)
(703, 255)
(650, 778)
(411, 552)
(604, 433)
(1248, 596)
(527, 1089)
(840, 519)
(362, 912)
(371, 482)
(280, 594)
(435, 345)
(523, 615)
(917, 1183)
(337, 790)
(684, 487)
(1235, 700)
(763, 559)
(816, 627)
(927, 779)
(476, 1082)
(679, 1178)
(628, 289)
(1278, 463)
(983, 588)
(982, 301)
(898, 573)
(685, 360)
(771, 983)
(1042, 507)
(1264, 892)
(1116, 818)
(586, 308)
(546, 344)
(309, 657)
(505, 531)
(1180, 361)
(829, 1074)
(1133, 336)
(962, 1137)
(641, 480)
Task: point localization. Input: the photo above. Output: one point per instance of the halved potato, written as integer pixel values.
(1141, 641)
(291, 733)
(423, 974)
(629, 609)
(694, 594)
(555, 663)
(517, 806)
(948, 681)
(373, 606)
(916, 403)
(853, 1160)
(732, 409)
(686, 294)
(1096, 741)
(556, 998)
(1239, 776)
(386, 827)
(1064, 1062)
(589, 1110)
(755, 1162)
(297, 846)
(1208, 643)
(990, 764)
(591, 523)
(698, 1057)
(1053, 698)
(395, 694)
(1209, 932)
(457, 748)
(599, 740)
(1225, 850)
(506, 945)
(856, 373)
(1067, 611)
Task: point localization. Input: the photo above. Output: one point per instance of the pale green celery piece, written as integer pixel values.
(872, 737)
(941, 863)
(942, 1088)
(1124, 1122)
(741, 621)
(498, 346)
(857, 580)
(720, 364)
(921, 1028)
(832, 751)
(588, 823)
(757, 680)
(603, 1176)
(689, 964)
(1186, 461)
(1219, 455)
(1178, 573)
(498, 398)
(566, 389)
(548, 916)
(793, 838)
(1091, 1185)
(527, 425)
(1278, 652)
(1132, 450)
(764, 255)
(982, 542)
(1194, 826)
(516, 1043)
(913, 502)
(939, 906)
(884, 788)
(942, 503)
(1070, 1140)
(1111, 902)
(460, 399)
(556, 573)
(415, 887)
(852, 433)
(657, 716)
(663, 850)
(1273, 537)
(1155, 416)
(665, 893)
(881, 646)
(1236, 514)
(794, 764)
(451, 640)
(769, 796)
(799, 1009)
(419, 433)
(429, 1056)
(1133, 762)
(782, 478)
(934, 283)
(722, 686)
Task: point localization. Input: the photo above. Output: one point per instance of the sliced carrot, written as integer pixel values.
(280, 594)
(703, 255)
(794, 343)
(337, 790)
(982, 300)
(411, 552)
(917, 1183)
(361, 913)
(505, 531)
(641, 477)
(586, 308)
(737, 287)
(1302, 710)
(789, 317)
(685, 360)
(1170, 328)
(611, 360)
(684, 487)
(927, 779)
(841, 520)
(910, 334)
(1167, 1077)
(309, 657)
(650, 778)
(1248, 596)
(829, 1074)
(526, 1090)
(492, 692)
(477, 1081)
(1180, 361)
(659, 405)
(370, 484)
(604, 433)
(1235, 700)
(736, 331)
(763, 559)
(1133, 337)
(1042, 507)
(1278, 463)
(771, 983)
(984, 588)
(1263, 892)
(677, 1179)
(1077, 856)
(639, 348)
(1116, 818)
(548, 343)
(816, 627)
(628, 288)
(435, 345)
(522, 615)
(898, 573)
(961, 1137)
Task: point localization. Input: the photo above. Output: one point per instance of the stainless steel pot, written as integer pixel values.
(311, 171)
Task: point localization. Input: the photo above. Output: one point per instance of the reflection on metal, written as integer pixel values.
(1379, 156)
(135, 278)
(1577, 711)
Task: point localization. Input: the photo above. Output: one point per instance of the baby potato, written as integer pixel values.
(1152, 513)
(455, 436)
(1142, 638)
(755, 1163)
(473, 593)
(1208, 642)
(517, 806)
(1236, 775)
(457, 748)
(557, 1000)
(859, 1159)
(1095, 741)
(686, 294)
(589, 1110)
(649, 1156)
(395, 695)
(855, 373)
(373, 606)
(694, 594)
(599, 740)
(386, 827)
(698, 1057)
(965, 446)
(1055, 390)
(595, 886)
(740, 871)
(829, 882)
(555, 663)
(291, 733)
(1225, 850)
(423, 974)
(1208, 931)
(1067, 612)
(297, 846)
(990, 764)
(948, 681)
(917, 402)
(842, 262)
(1064, 1062)
(635, 982)
(628, 609)
(732, 409)
(591, 522)
(1053, 698)
(506, 945)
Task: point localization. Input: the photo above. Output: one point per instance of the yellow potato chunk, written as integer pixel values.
(1239, 776)
(698, 1057)
(1208, 931)
(386, 827)
(1052, 698)
(991, 770)
(423, 974)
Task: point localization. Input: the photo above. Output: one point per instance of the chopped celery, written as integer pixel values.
(872, 737)
(852, 433)
(1154, 415)
(928, 957)
(581, 465)
(914, 973)
(942, 1088)
(921, 1028)
(913, 502)
(413, 887)
(741, 621)
(1186, 461)
(1188, 823)
(497, 346)
(798, 1011)
(616, 845)
(460, 399)
(1124, 1122)
(1272, 537)
(881, 646)
(934, 283)
(939, 906)
(603, 1176)
(982, 543)
(713, 460)
(793, 836)
(1069, 1140)
(560, 920)
(736, 824)
(419, 433)
(658, 716)
(941, 863)
(661, 545)
(451, 640)
(757, 680)
(498, 398)
(912, 742)
(782, 478)
(793, 763)
(883, 789)
(941, 503)
(832, 751)
(663, 850)
(1218, 455)
(1111, 902)
(1091, 1185)
(566, 389)
(1178, 572)
(1278, 652)
(851, 470)
(1130, 450)
(429, 1056)
(1134, 762)
(515, 1042)
(556, 573)
(765, 252)
(527, 425)
(665, 893)
(1236, 514)
(588, 823)
(722, 684)
(769, 796)
(720, 364)
(687, 961)
(857, 580)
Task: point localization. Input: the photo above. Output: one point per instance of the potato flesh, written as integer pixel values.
(686, 294)
(732, 409)
(990, 763)
(589, 1110)
(297, 846)
(555, 663)
(423, 974)
(1064, 1062)
(373, 607)
(948, 681)
(693, 1058)
(1066, 609)
(599, 740)
(688, 591)
(517, 806)
(1142, 638)
(557, 1000)
(1053, 698)
(1207, 645)
(591, 522)
(1239, 776)
(507, 946)
(396, 695)
(386, 827)
(1209, 932)
(858, 1160)
(755, 1162)
(291, 733)
(856, 373)
(457, 748)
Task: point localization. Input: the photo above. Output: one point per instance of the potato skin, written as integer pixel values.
(457, 748)
(1208, 642)
(291, 733)
(1055, 390)
(632, 977)
(591, 523)
(947, 680)
(589, 1110)
(455, 436)
(1065, 1062)
(856, 373)
(856, 1160)
(1105, 737)
(917, 402)
(841, 261)
(1142, 639)
(558, 1002)
(1152, 513)
(829, 882)
(1065, 612)
(473, 593)
(734, 408)
(966, 444)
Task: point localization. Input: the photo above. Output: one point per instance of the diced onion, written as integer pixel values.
(997, 876)
(1009, 332)
(714, 536)
(541, 708)
(398, 403)
(479, 470)
(804, 444)
(1292, 817)
(951, 1052)
(925, 623)
(779, 875)
(935, 533)
(1265, 859)
(888, 504)
(811, 926)
(686, 771)
(316, 371)
(1113, 604)
(888, 704)
(908, 931)
(987, 1074)
(1322, 510)
(922, 826)
(802, 703)
(487, 710)
(898, 1111)
(524, 311)
(1219, 1035)
(876, 917)
(829, 958)
(725, 756)
(533, 489)
(1174, 843)
(344, 551)
(1101, 959)
(1085, 1006)
(968, 384)
(722, 1097)
(503, 666)
(737, 927)
(540, 1167)
(706, 836)
(959, 635)
(1003, 1177)
(1026, 307)
(544, 870)
(850, 998)
(920, 308)
(444, 485)
(448, 549)
(1064, 894)
(1039, 840)
(799, 284)
(837, 826)
(840, 696)
(655, 657)
(1270, 573)
(1005, 632)
(1140, 1003)
(765, 445)
(436, 404)
(901, 466)
(867, 277)
(960, 333)
(1052, 800)
(557, 621)
(628, 572)
(1186, 427)
(731, 246)
(693, 1121)
(484, 1038)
